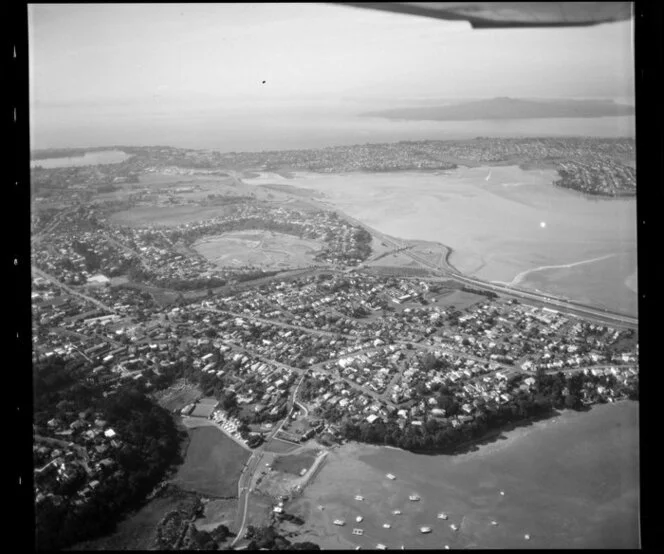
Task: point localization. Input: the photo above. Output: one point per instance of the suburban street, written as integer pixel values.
(245, 481)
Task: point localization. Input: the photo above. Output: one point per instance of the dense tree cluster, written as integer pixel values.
(489, 294)
(267, 538)
(550, 392)
(150, 444)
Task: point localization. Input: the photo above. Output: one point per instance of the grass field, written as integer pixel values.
(280, 447)
(217, 512)
(258, 248)
(212, 465)
(178, 396)
(296, 463)
(166, 216)
(459, 299)
(259, 512)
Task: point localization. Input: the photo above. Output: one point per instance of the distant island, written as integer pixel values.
(507, 108)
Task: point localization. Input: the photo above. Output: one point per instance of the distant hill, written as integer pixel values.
(507, 108)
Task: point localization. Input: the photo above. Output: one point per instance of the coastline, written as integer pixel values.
(587, 494)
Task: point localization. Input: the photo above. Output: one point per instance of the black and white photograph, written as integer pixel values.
(334, 276)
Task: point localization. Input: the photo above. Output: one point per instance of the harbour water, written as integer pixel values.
(89, 158)
(568, 482)
(502, 222)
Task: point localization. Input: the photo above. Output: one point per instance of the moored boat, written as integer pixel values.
(425, 529)
(414, 498)
(391, 476)
(359, 519)
(442, 515)
(339, 522)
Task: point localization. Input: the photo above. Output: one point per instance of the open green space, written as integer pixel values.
(280, 447)
(212, 465)
(137, 531)
(295, 463)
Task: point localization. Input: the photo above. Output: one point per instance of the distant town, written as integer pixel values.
(138, 335)
(601, 166)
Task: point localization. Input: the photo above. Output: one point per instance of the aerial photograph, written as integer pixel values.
(326, 276)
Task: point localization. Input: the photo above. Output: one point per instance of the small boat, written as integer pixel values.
(386, 525)
(414, 498)
(447, 547)
(527, 537)
(494, 522)
(339, 522)
(502, 493)
(381, 546)
(442, 515)
(425, 529)
(396, 512)
(454, 527)
(358, 531)
(358, 548)
(358, 497)
(390, 476)
(321, 507)
(359, 519)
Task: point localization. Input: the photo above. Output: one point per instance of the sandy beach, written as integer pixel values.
(569, 482)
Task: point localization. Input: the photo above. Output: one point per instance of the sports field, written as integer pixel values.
(295, 463)
(212, 465)
(258, 248)
(178, 396)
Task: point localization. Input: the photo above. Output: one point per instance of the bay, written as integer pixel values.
(569, 482)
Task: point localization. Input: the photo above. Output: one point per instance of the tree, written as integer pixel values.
(572, 401)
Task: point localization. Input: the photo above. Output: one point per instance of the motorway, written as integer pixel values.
(445, 269)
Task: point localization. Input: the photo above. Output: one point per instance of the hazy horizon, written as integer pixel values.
(135, 73)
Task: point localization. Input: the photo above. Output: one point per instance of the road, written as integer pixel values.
(43, 274)
(561, 304)
(131, 251)
(449, 271)
(282, 324)
(52, 225)
(245, 481)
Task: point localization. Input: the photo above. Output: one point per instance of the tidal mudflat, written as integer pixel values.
(569, 482)
(501, 222)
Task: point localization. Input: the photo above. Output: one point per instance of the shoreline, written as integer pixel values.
(517, 465)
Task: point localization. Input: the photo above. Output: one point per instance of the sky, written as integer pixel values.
(130, 59)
